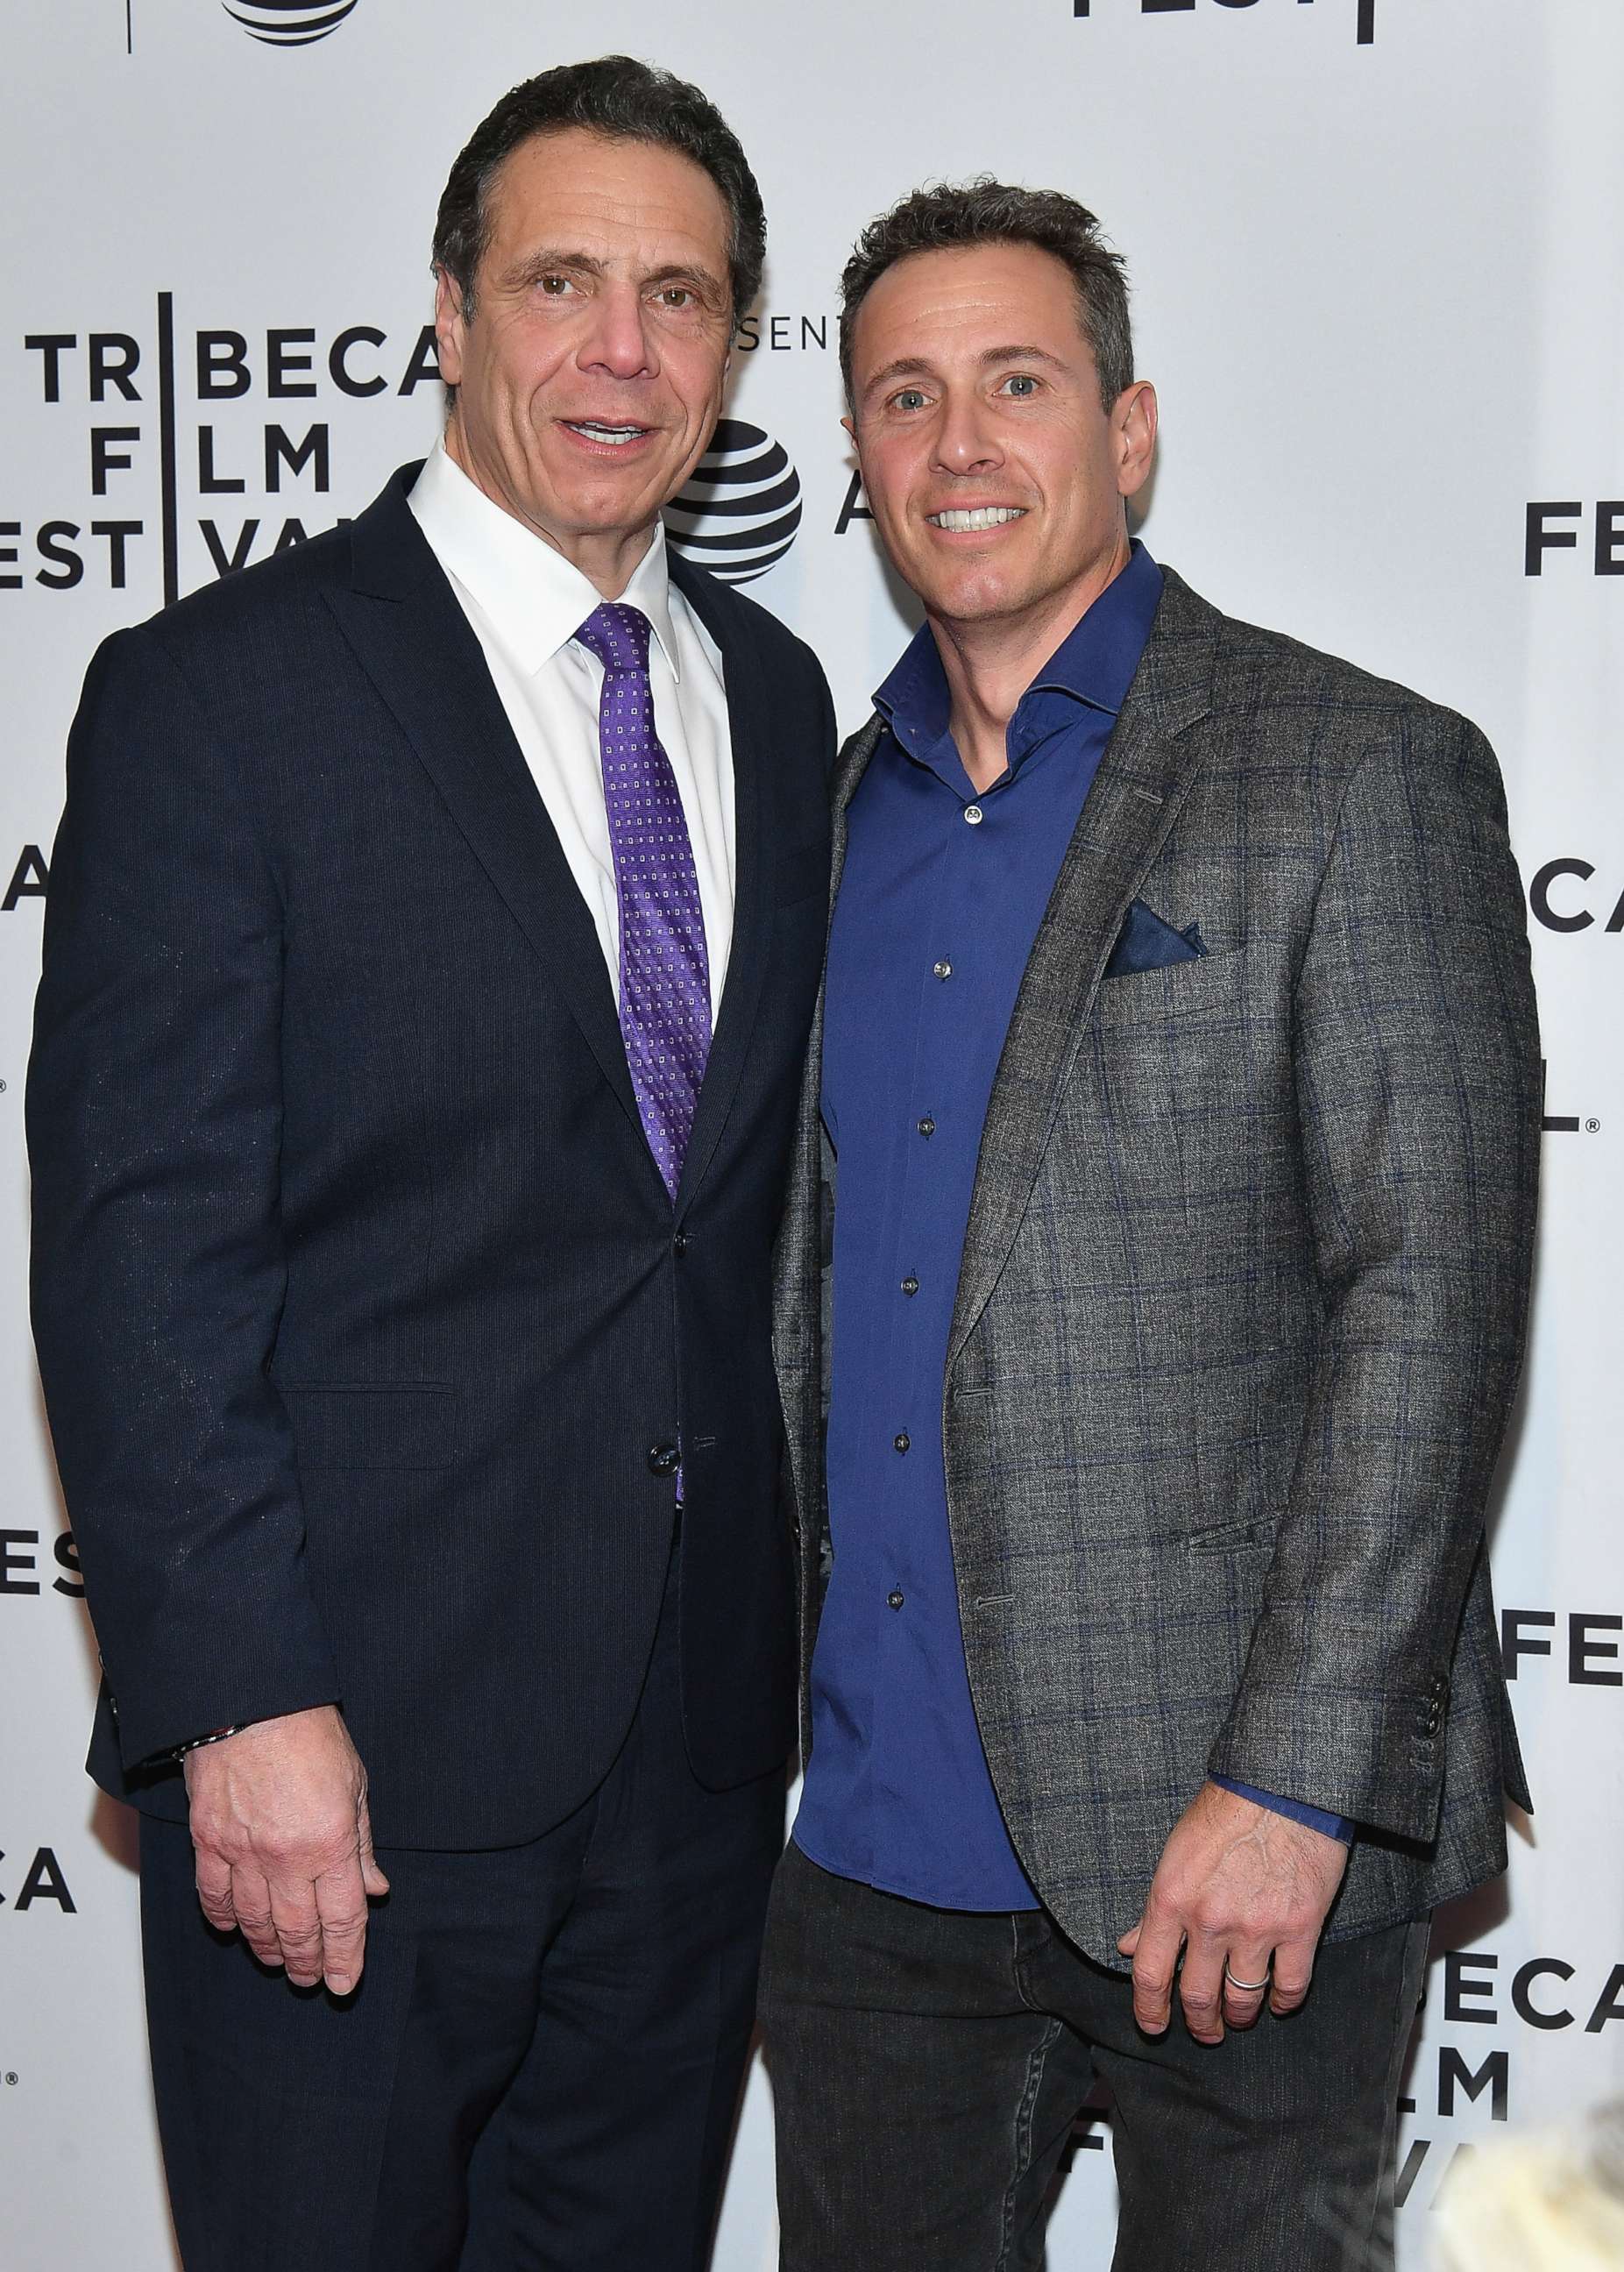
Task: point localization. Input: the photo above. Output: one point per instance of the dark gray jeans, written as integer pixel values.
(927, 2065)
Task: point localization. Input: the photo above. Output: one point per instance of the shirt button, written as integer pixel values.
(910, 1285)
(942, 970)
(973, 814)
(901, 1440)
(927, 1126)
(895, 1597)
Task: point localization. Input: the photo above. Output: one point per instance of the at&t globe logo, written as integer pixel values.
(742, 507)
(290, 23)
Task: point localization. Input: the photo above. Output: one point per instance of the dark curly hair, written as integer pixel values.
(949, 216)
(618, 97)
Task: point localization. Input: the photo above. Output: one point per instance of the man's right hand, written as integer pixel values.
(284, 1844)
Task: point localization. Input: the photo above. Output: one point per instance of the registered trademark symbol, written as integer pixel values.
(9, 2079)
(1591, 1127)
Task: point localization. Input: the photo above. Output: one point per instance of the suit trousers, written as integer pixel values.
(928, 2066)
(541, 2067)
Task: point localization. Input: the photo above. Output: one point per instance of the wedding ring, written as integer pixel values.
(1246, 1987)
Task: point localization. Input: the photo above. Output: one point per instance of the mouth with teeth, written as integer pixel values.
(973, 519)
(605, 436)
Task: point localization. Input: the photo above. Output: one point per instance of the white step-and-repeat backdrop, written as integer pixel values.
(1376, 247)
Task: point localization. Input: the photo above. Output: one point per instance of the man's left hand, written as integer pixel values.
(1238, 1887)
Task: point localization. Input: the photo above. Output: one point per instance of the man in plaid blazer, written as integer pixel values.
(1157, 1263)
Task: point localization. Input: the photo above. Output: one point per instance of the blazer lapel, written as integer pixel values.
(413, 641)
(751, 736)
(795, 1300)
(850, 767)
(1145, 774)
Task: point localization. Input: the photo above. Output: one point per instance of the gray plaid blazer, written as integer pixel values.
(1242, 1306)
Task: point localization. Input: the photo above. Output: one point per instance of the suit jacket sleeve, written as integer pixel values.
(158, 1274)
(1418, 1077)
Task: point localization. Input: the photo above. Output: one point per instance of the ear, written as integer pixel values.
(449, 329)
(851, 428)
(1134, 424)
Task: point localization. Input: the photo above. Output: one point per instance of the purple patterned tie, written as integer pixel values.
(665, 971)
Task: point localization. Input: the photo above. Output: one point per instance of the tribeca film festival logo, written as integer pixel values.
(1561, 1124)
(1463, 2081)
(33, 1875)
(1543, 532)
(1365, 17)
(22, 1569)
(165, 450)
(1559, 901)
(739, 511)
(155, 456)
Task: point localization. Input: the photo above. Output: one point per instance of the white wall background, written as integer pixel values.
(1379, 284)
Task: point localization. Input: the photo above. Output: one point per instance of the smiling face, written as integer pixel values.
(589, 373)
(996, 474)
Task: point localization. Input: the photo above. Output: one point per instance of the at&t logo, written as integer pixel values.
(739, 514)
(290, 23)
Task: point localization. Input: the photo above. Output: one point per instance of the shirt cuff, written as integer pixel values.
(1334, 1826)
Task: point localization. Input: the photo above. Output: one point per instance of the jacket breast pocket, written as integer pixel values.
(1174, 1049)
(1206, 983)
(368, 1425)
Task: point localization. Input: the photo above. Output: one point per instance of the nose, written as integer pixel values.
(967, 436)
(617, 340)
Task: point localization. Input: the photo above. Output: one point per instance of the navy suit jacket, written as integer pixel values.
(362, 1310)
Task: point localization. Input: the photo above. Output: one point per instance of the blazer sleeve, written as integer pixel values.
(153, 1114)
(1418, 1078)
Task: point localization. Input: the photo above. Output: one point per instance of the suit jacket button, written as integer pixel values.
(678, 1243)
(664, 1460)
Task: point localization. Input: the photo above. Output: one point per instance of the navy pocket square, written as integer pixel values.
(1146, 943)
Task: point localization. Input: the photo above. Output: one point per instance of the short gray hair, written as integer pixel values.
(952, 216)
(622, 99)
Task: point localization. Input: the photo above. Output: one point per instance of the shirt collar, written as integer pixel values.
(1095, 661)
(535, 598)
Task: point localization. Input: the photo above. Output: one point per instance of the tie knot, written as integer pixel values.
(618, 636)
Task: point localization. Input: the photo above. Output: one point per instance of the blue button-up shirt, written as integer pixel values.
(941, 899)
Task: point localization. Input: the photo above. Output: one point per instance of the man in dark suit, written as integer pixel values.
(1175, 1091)
(402, 1266)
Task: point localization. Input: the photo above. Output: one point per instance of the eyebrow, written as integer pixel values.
(549, 262)
(916, 367)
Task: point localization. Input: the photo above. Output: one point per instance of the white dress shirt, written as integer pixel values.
(525, 602)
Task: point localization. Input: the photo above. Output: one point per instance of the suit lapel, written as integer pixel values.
(413, 641)
(1145, 774)
(751, 734)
